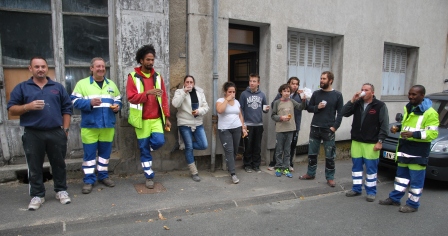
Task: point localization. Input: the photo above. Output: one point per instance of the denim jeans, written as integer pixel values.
(193, 140)
(292, 152)
(282, 149)
(327, 136)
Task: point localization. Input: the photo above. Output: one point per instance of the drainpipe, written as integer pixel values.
(215, 83)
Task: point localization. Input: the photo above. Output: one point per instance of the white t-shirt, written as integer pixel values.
(230, 118)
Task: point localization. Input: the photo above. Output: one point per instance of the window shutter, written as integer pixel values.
(293, 49)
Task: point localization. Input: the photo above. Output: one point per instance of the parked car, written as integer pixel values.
(437, 168)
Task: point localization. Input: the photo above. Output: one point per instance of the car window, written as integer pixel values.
(442, 108)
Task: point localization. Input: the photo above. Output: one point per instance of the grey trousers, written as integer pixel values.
(230, 140)
(283, 146)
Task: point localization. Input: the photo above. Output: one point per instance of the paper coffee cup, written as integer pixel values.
(265, 107)
(324, 102)
(362, 94)
(41, 101)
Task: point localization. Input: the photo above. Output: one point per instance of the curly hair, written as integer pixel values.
(145, 49)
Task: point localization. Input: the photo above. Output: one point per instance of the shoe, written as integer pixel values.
(35, 203)
(149, 183)
(248, 169)
(271, 168)
(331, 183)
(278, 172)
(108, 182)
(235, 179)
(291, 169)
(287, 173)
(257, 169)
(407, 209)
(352, 193)
(196, 178)
(370, 198)
(87, 188)
(63, 197)
(306, 177)
(388, 201)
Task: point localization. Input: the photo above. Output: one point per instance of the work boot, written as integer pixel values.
(407, 209)
(306, 177)
(87, 188)
(331, 183)
(149, 183)
(352, 193)
(370, 198)
(108, 182)
(388, 201)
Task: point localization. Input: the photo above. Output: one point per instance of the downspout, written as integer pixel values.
(215, 83)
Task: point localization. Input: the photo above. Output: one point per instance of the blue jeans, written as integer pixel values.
(193, 140)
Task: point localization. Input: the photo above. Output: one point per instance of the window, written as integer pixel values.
(394, 70)
(27, 30)
(308, 56)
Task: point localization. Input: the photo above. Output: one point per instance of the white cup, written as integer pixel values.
(362, 94)
(265, 107)
(41, 101)
(324, 102)
(302, 95)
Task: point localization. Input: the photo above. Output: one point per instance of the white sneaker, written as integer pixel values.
(63, 197)
(35, 203)
(235, 179)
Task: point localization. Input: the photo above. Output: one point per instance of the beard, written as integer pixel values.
(148, 66)
(324, 86)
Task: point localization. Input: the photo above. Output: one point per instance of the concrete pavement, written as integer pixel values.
(176, 194)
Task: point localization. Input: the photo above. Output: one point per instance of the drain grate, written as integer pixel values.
(142, 189)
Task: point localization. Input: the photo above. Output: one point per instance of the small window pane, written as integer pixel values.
(241, 36)
(14, 76)
(73, 75)
(24, 36)
(85, 38)
(42, 5)
(85, 6)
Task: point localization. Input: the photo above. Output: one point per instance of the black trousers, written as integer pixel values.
(52, 142)
(295, 138)
(252, 147)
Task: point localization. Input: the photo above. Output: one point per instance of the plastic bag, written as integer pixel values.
(307, 92)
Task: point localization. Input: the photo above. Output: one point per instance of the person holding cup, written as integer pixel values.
(253, 105)
(298, 95)
(369, 129)
(45, 129)
(191, 107)
(326, 103)
(99, 100)
(230, 126)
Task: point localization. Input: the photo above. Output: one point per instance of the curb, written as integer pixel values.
(170, 213)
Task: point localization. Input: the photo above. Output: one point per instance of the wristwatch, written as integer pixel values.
(380, 141)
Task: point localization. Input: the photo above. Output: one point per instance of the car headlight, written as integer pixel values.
(440, 147)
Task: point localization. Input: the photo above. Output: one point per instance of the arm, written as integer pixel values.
(242, 103)
(244, 128)
(203, 109)
(165, 104)
(274, 115)
(133, 96)
(339, 105)
(179, 97)
(299, 106)
(312, 106)
(78, 100)
(221, 106)
(384, 126)
(431, 124)
(348, 109)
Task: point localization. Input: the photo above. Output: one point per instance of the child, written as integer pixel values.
(283, 115)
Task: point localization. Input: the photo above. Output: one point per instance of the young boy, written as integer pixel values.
(283, 115)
